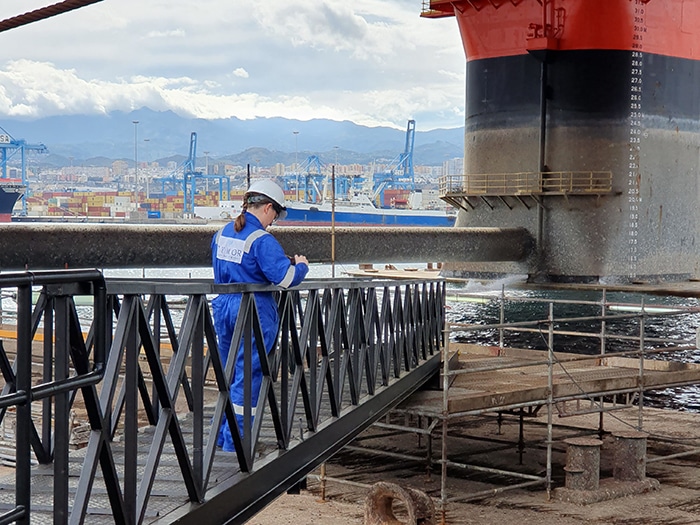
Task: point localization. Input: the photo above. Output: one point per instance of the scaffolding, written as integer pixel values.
(624, 357)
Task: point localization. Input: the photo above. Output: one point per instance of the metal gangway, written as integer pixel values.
(133, 367)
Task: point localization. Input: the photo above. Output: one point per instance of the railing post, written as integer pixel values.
(197, 363)
(248, 350)
(24, 410)
(48, 366)
(131, 368)
(62, 403)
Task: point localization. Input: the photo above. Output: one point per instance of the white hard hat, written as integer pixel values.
(271, 190)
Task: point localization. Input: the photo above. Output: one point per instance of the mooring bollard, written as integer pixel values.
(630, 456)
(420, 509)
(582, 463)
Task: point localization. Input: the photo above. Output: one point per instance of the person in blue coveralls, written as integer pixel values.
(244, 251)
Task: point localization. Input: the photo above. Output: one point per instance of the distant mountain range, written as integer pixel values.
(98, 140)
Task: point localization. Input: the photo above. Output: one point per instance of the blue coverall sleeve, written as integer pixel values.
(276, 265)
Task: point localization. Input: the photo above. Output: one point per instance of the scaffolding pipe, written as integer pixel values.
(492, 492)
(445, 417)
(550, 399)
(640, 415)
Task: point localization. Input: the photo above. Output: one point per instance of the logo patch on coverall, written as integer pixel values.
(230, 249)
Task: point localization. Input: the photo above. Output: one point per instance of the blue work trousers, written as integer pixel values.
(225, 309)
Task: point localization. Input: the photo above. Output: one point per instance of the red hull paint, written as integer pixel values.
(498, 28)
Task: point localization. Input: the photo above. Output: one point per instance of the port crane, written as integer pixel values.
(313, 180)
(308, 178)
(400, 174)
(186, 176)
(10, 148)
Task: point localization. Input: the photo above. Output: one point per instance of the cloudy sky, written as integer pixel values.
(374, 62)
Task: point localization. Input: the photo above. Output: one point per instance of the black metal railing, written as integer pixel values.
(64, 348)
(346, 351)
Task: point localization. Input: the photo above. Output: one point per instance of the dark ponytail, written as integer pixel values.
(239, 223)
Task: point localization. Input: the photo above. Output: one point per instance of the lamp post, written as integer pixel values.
(296, 165)
(206, 171)
(333, 221)
(136, 156)
(146, 141)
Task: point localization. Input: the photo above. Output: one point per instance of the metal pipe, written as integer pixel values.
(386, 453)
(502, 318)
(322, 478)
(673, 456)
(414, 430)
(490, 410)
(445, 415)
(316, 477)
(17, 398)
(672, 309)
(493, 492)
(479, 327)
(60, 245)
(640, 413)
(69, 384)
(499, 472)
(13, 516)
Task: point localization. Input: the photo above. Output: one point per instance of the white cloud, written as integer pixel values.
(374, 62)
(179, 33)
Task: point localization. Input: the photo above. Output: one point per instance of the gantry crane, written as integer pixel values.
(9, 149)
(186, 175)
(400, 174)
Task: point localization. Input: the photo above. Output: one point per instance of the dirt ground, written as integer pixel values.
(478, 441)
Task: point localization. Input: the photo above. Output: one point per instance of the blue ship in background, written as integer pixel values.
(388, 198)
(360, 211)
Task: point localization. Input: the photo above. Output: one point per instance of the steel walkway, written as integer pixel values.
(137, 373)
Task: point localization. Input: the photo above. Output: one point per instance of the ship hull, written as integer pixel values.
(10, 193)
(589, 95)
(301, 214)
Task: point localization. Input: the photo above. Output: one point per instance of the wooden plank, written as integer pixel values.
(518, 377)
